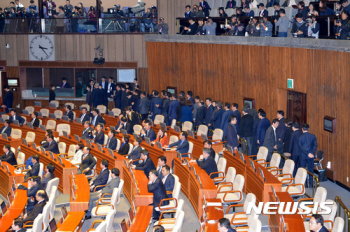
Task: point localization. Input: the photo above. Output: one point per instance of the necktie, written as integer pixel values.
(274, 133)
(93, 122)
(82, 117)
(164, 178)
(108, 142)
(3, 130)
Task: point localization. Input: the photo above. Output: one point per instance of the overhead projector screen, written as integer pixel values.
(126, 75)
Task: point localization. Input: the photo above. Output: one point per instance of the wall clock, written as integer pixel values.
(41, 47)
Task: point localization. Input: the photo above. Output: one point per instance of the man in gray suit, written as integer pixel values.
(136, 151)
(270, 141)
(143, 105)
(113, 183)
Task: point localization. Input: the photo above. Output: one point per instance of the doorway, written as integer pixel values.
(296, 106)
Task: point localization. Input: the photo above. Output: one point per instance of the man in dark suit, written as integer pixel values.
(132, 116)
(34, 185)
(65, 84)
(136, 151)
(125, 125)
(8, 157)
(69, 112)
(156, 186)
(41, 198)
(35, 168)
(263, 12)
(270, 141)
(161, 163)
(15, 116)
(294, 148)
(208, 164)
(231, 133)
(246, 129)
(225, 119)
(208, 144)
(217, 116)
(6, 128)
(87, 132)
(148, 132)
(156, 105)
(50, 168)
(147, 163)
(84, 115)
(143, 106)
(316, 223)
(188, 12)
(168, 180)
(125, 146)
(103, 83)
(112, 141)
(35, 122)
(281, 130)
(308, 147)
(205, 6)
(118, 97)
(102, 178)
(108, 189)
(236, 113)
(88, 162)
(191, 30)
(135, 100)
(201, 112)
(263, 125)
(8, 99)
(182, 144)
(230, 4)
(225, 226)
(124, 99)
(110, 87)
(99, 136)
(17, 225)
(189, 97)
(209, 113)
(173, 104)
(97, 95)
(51, 145)
(96, 118)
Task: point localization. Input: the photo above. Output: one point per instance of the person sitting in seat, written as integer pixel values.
(316, 223)
(112, 141)
(102, 178)
(136, 151)
(96, 119)
(225, 226)
(124, 147)
(69, 112)
(87, 132)
(208, 164)
(182, 144)
(34, 171)
(8, 157)
(88, 162)
(35, 121)
(6, 128)
(51, 145)
(78, 153)
(84, 117)
(113, 183)
(147, 163)
(17, 225)
(124, 125)
(34, 185)
(41, 198)
(168, 180)
(15, 116)
(148, 132)
(98, 134)
(50, 168)
(162, 138)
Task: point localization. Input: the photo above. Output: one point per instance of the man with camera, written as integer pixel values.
(343, 25)
(147, 22)
(232, 26)
(68, 9)
(252, 28)
(313, 27)
(18, 4)
(210, 27)
(74, 20)
(2, 21)
(192, 29)
(265, 27)
(200, 28)
(161, 27)
(60, 20)
(300, 28)
(32, 12)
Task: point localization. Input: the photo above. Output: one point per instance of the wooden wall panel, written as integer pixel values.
(232, 72)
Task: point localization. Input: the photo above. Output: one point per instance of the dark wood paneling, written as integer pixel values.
(233, 72)
(67, 64)
(142, 78)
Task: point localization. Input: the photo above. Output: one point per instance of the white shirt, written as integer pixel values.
(164, 178)
(77, 157)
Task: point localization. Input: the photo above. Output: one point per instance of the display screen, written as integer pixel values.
(12, 82)
(126, 75)
(328, 125)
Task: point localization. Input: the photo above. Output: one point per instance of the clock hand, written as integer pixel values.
(42, 47)
(44, 51)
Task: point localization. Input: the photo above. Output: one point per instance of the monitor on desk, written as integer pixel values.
(52, 105)
(112, 127)
(131, 215)
(123, 226)
(177, 129)
(99, 147)
(25, 112)
(204, 137)
(110, 152)
(64, 212)
(14, 181)
(42, 150)
(77, 138)
(4, 136)
(73, 192)
(147, 140)
(126, 164)
(71, 172)
(111, 113)
(241, 156)
(42, 127)
(53, 116)
(262, 173)
(88, 143)
(159, 145)
(65, 134)
(135, 136)
(9, 199)
(15, 122)
(30, 125)
(179, 156)
(3, 208)
(274, 193)
(33, 145)
(190, 133)
(229, 149)
(7, 169)
(52, 225)
(36, 103)
(60, 160)
(194, 170)
(252, 164)
(124, 132)
(0, 163)
(51, 155)
(78, 120)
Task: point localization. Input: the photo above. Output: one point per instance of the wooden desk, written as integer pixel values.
(293, 222)
(82, 193)
(253, 181)
(142, 219)
(6, 179)
(16, 208)
(60, 171)
(71, 223)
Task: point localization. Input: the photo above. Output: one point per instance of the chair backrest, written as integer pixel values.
(54, 182)
(16, 134)
(275, 160)
(158, 119)
(320, 195)
(238, 183)
(114, 199)
(230, 175)
(330, 216)
(45, 112)
(58, 114)
(57, 103)
(40, 122)
(74, 115)
(222, 164)
(288, 167)
(176, 179)
(5, 117)
(120, 191)
(86, 106)
(30, 109)
(179, 222)
(255, 225)
(105, 140)
(300, 178)
(52, 200)
(70, 104)
(20, 158)
(137, 129)
(262, 153)
(250, 198)
(71, 150)
(51, 124)
(217, 158)
(101, 227)
(187, 126)
(37, 225)
(13, 150)
(190, 147)
(130, 148)
(202, 130)
(25, 120)
(109, 221)
(218, 134)
(62, 147)
(41, 169)
(177, 190)
(46, 216)
(338, 225)
(102, 109)
(173, 123)
(116, 111)
(63, 127)
(173, 139)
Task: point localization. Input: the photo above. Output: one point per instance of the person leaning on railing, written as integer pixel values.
(343, 25)
(162, 27)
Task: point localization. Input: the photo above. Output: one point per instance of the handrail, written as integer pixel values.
(346, 211)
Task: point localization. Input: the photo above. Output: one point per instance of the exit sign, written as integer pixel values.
(290, 84)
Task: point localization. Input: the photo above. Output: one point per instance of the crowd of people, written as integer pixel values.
(303, 23)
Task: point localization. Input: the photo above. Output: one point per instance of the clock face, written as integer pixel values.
(41, 47)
